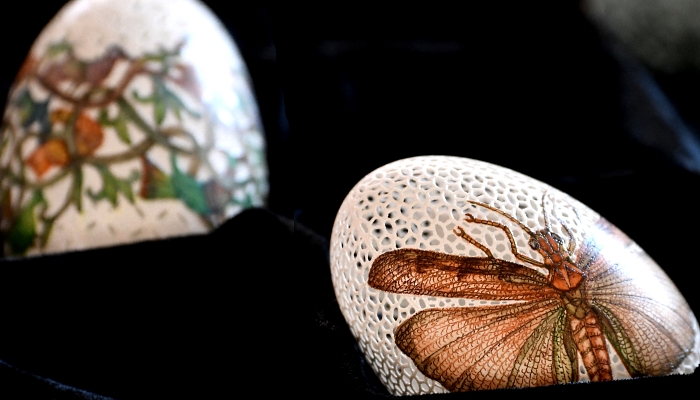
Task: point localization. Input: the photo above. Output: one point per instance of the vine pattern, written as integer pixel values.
(62, 109)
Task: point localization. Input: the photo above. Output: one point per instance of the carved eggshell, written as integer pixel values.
(419, 205)
(129, 120)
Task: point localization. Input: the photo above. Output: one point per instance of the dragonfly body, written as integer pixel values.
(565, 276)
(584, 301)
(588, 335)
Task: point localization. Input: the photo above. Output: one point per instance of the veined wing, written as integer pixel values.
(491, 347)
(644, 316)
(423, 272)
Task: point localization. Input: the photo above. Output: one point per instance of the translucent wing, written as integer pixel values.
(472, 348)
(644, 316)
(423, 272)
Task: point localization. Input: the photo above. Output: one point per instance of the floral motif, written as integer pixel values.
(63, 110)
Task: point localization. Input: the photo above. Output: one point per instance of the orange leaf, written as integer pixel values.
(52, 152)
(88, 135)
(87, 132)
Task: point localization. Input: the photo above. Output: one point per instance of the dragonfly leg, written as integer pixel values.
(464, 235)
(513, 247)
(510, 217)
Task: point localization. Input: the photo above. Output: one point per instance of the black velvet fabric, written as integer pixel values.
(343, 89)
(152, 319)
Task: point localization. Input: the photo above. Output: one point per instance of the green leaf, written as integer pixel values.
(118, 123)
(162, 54)
(78, 189)
(163, 99)
(111, 186)
(23, 231)
(156, 184)
(188, 189)
(122, 131)
(177, 113)
(142, 99)
(124, 186)
(58, 48)
(159, 109)
(131, 115)
(103, 118)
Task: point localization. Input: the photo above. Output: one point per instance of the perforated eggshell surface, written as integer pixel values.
(129, 120)
(459, 275)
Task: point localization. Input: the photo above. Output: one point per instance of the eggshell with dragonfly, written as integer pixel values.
(458, 275)
(128, 121)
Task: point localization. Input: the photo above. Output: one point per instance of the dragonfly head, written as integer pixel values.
(563, 272)
(549, 245)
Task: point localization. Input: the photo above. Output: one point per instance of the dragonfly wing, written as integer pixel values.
(424, 272)
(472, 348)
(644, 316)
(552, 336)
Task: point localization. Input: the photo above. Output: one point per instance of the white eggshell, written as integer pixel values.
(130, 120)
(419, 203)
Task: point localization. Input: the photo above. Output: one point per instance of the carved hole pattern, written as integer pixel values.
(417, 203)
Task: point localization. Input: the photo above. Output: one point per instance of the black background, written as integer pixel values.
(344, 89)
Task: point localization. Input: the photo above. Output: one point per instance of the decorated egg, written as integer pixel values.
(128, 121)
(458, 275)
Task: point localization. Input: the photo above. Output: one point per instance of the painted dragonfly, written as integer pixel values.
(555, 320)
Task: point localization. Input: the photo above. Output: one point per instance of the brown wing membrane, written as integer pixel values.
(491, 347)
(423, 272)
(645, 318)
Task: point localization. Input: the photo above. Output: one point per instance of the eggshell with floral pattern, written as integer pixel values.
(128, 121)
